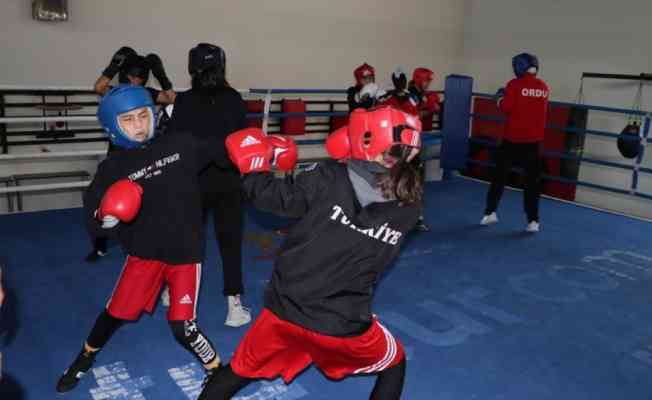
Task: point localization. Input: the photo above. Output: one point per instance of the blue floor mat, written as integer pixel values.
(484, 313)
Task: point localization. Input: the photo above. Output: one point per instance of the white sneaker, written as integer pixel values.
(532, 227)
(165, 297)
(489, 219)
(238, 315)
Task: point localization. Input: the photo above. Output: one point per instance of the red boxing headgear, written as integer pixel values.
(371, 133)
(422, 75)
(363, 71)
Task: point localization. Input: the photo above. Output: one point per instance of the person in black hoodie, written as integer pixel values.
(212, 102)
(155, 180)
(354, 217)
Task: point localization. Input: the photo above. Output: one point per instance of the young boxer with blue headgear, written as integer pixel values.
(132, 68)
(146, 195)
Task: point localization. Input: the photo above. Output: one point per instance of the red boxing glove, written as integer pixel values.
(285, 152)
(253, 151)
(249, 150)
(121, 200)
(338, 145)
(431, 103)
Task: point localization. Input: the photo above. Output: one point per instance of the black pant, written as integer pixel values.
(100, 244)
(528, 155)
(420, 165)
(221, 194)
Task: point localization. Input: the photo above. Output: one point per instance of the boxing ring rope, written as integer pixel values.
(44, 187)
(31, 120)
(56, 154)
(275, 115)
(431, 138)
(643, 139)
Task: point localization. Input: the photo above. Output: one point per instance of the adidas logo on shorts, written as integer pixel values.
(249, 141)
(185, 300)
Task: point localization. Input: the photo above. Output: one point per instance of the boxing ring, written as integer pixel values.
(490, 313)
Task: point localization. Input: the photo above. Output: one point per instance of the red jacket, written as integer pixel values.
(526, 106)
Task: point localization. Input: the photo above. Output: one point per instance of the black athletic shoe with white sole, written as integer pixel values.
(75, 372)
(422, 226)
(95, 255)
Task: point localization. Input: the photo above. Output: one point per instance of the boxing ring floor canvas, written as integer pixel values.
(484, 313)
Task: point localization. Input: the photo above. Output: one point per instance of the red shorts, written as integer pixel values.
(141, 281)
(274, 347)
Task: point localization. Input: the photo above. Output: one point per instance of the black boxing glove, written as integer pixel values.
(156, 65)
(399, 80)
(118, 60)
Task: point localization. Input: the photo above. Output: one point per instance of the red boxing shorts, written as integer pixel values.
(141, 281)
(274, 347)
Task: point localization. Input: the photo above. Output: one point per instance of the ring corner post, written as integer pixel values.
(458, 95)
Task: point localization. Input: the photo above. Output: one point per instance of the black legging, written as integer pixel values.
(106, 325)
(526, 154)
(222, 195)
(100, 244)
(225, 383)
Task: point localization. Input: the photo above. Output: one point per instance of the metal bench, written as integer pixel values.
(17, 179)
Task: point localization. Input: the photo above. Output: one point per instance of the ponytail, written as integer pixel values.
(403, 183)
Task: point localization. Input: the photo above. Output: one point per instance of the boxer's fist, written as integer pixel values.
(253, 151)
(118, 60)
(399, 79)
(338, 144)
(121, 202)
(500, 93)
(370, 90)
(156, 65)
(285, 152)
(431, 103)
(249, 150)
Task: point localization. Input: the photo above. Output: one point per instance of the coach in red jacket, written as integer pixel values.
(525, 101)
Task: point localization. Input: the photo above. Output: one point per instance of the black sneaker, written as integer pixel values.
(208, 385)
(75, 372)
(422, 226)
(209, 375)
(95, 255)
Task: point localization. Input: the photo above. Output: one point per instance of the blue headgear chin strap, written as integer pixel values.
(523, 62)
(119, 100)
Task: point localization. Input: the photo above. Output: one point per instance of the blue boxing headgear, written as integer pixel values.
(119, 100)
(523, 62)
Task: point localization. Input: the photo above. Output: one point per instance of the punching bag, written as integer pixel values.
(629, 143)
(574, 142)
